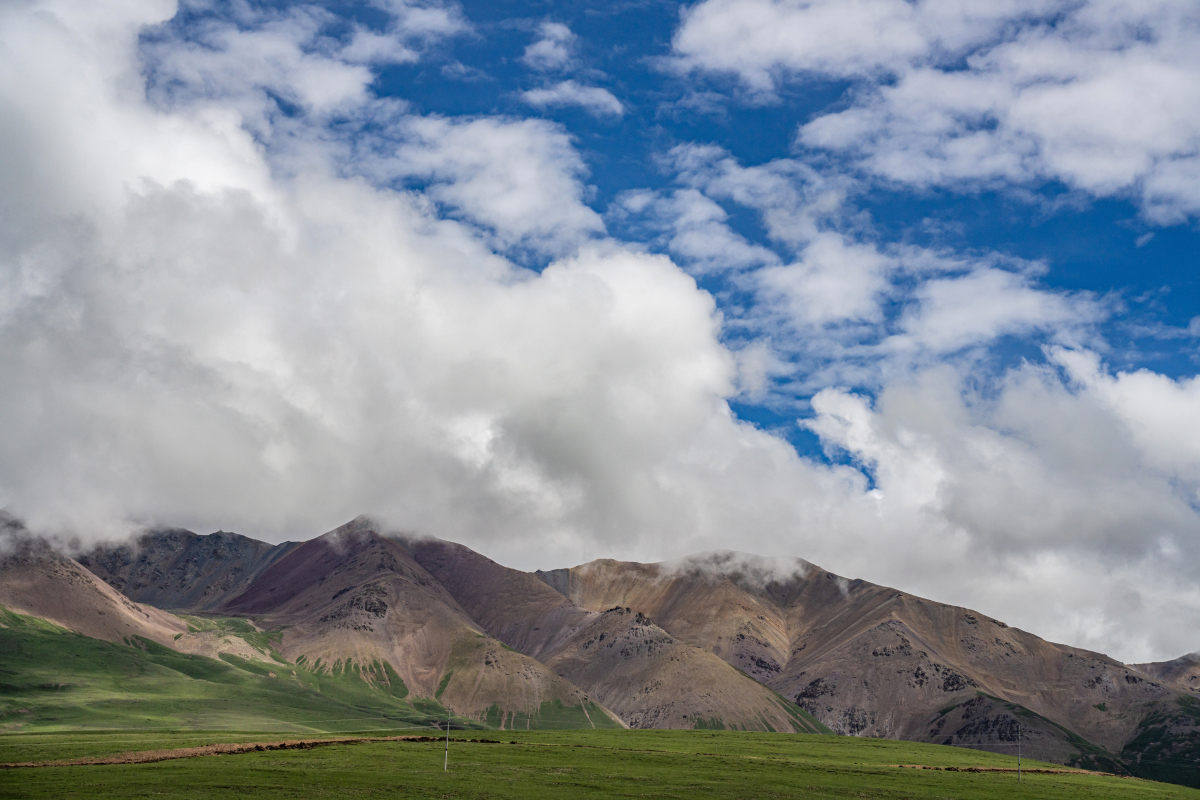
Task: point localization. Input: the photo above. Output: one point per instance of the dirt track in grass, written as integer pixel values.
(223, 749)
(1035, 771)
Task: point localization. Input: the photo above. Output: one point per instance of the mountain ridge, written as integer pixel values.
(720, 639)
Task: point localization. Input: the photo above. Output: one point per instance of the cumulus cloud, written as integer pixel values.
(196, 337)
(519, 178)
(834, 281)
(552, 51)
(1161, 415)
(412, 28)
(596, 101)
(1102, 95)
(763, 42)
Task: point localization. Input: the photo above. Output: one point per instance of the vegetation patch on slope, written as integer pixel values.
(1167, 746)
(55, 679)
(552, 715)
(263, 641)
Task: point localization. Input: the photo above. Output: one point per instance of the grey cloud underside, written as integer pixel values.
(219, 315)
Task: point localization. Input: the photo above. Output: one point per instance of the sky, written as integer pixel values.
(906, 288)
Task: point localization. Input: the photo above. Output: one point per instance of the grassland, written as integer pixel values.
(55, 680)
(546, 764)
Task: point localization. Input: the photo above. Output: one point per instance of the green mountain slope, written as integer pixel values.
(51, 678)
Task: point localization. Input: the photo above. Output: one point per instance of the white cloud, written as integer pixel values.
(834, 281)
(696, 230)
(1021, 492)
(423, 21)
(218, 343)
(756, 39)
(412, 28)
(369, 47)
(1161, 415)
(966, 310)
(1103, 96)
(553, 50)
(214, 315)
(765, 41)
(261, 61)
(519, 178)
(596, 101)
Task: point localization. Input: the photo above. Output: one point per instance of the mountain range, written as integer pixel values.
(717, 640)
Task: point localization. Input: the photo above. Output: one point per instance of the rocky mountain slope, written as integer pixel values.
(1182, 673)
(639, 670)
(873, 661)
(353, 599)
(180, 569)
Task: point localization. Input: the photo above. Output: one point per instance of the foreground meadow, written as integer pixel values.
(545, 764)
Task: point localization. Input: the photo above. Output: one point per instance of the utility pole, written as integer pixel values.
(446, 763)
(1018, 752)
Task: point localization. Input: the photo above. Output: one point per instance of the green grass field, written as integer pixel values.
(548, 764)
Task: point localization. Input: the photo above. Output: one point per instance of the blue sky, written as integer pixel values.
(1143, 269)
(903, 288)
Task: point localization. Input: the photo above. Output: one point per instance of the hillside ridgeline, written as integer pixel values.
(719, 640)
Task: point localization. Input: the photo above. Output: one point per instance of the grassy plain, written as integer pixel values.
(548, 764)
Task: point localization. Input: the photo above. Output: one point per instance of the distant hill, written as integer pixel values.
(722, 640)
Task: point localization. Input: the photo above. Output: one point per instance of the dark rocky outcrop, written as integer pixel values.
(178, 569)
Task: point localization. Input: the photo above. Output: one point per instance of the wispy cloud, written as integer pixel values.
(596, 101)
(553, 50)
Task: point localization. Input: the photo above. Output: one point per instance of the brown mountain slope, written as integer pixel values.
(1183, 673)
(38, 581)
(654, 680)
(869, 660)
(917, 655)
(178, 569)
(353, 596)
(695, 601)
(648, 676)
